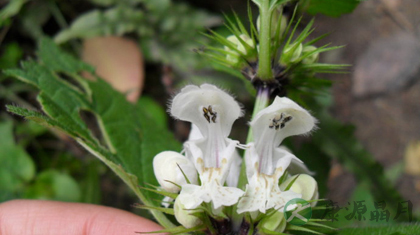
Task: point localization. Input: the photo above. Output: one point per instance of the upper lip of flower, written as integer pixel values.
(207, 107)
(271, 125)
(285, 118)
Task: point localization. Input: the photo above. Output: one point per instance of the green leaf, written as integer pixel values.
(10, 10)
(115, 21)
(400, 229)
(129, 137)
(54, 185)
(153, 5)
(10, 56)
(331, 8)
(105, 2)
(17, 167)
(153, 110)
(34, 17)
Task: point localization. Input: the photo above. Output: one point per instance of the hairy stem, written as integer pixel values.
(263, 97)
(264, 59)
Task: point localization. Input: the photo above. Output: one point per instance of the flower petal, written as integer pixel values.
(206, 106)
(234, 171)
(205, 154)
(169, 167)
(195, 133)
(296, 166)
(283, 118)
(192, 196)
(262, 192)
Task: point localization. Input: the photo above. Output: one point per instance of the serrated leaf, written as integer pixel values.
(57, 61)
(131, 137)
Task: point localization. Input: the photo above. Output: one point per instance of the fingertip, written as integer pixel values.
(48, 217)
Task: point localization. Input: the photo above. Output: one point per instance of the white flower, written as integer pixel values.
(265, 161)
(169, 167)
(213, 112)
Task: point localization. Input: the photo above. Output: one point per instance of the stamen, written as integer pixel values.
(208, 112)
(207, 117)
(279, 122)
(214, 117)
(285, 120)
(275, 122)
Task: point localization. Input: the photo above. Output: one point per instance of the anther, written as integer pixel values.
(209, 112)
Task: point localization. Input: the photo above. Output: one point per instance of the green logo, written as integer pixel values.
(297, 211)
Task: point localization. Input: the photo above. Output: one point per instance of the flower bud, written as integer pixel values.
(305, 185)
(311, 58)
(276, 19)
(244, 49)
(291, 53)
(184, 217)
(276, 222)
(167, 167)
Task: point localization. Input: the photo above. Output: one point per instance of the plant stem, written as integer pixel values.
(261, 102)
(264, 59)
(61, 21)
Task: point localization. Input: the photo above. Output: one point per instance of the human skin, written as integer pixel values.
(36, 217)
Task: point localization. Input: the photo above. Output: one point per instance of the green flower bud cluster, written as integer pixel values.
(244, 48)
(297, 52)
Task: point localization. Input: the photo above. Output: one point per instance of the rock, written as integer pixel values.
(388, 65)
